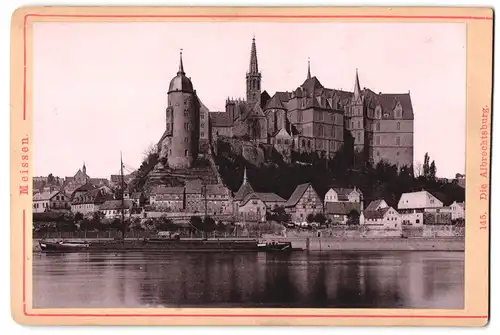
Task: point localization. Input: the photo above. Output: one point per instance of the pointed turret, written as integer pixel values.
(357, 88)
(84, 169)
(245, 188)
(181, 65)
(308, 68)
(253, 77)
(254, 66)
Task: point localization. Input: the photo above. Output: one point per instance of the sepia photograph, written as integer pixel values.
(250, 164)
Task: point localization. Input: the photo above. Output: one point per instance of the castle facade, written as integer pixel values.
(309, 118)
(312, 118)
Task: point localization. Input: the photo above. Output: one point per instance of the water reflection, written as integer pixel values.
(314, 280)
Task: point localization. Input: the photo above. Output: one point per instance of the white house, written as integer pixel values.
(50, 201)
(384, 218)
(344, 195)
(412, 206)
(113, 208)
(457, 210)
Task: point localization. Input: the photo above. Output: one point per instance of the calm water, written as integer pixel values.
(314, 279)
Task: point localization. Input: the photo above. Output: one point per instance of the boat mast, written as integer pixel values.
(123, 197)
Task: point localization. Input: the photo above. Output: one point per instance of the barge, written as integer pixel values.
(184, 245)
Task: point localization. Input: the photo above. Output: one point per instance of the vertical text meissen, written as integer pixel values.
(24, 171)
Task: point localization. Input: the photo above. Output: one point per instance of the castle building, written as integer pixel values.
(187, 132)
(312, 118)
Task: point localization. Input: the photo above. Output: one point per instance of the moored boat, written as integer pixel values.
(64, 245)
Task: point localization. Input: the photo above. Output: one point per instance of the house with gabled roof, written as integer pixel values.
(255, 205)
(90, 201)
(244, 190)
(339, 194)
(413, 205)
(304, 201)
(50, 201)
(383, 217)
(170, 199)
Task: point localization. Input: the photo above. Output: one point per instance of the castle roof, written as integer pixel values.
(180, 82)
(275, 103)
(311, 84)
(220, 119)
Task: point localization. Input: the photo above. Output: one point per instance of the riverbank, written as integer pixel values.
(353, 244)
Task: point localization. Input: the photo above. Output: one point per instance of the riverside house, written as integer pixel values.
(50, 201)
(412, 207)
(353, 195)
(379, 215)
(89, 202)
(304, 201)
(169, 199)
(255, 205)
(112, 209)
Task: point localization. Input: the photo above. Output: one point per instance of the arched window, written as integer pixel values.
(398, 140)
(303, 143)
(309, 143)
(398, 126)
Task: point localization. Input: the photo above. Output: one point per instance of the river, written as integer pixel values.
(297, 280)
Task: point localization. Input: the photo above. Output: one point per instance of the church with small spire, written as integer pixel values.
(312, 118)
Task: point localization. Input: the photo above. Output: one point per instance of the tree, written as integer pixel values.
(426, 166)
(353, 217)
(320, 218)
(432, 170)
(310, 217)
(50, 179)
(278, 214)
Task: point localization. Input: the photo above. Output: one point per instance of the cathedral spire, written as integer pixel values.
(181, 66)
(254, 67)
(357, 89)
(308, 68)
(245, 180)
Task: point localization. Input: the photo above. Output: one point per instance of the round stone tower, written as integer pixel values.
(183, 148)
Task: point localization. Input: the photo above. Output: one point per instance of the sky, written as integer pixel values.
(101, 88)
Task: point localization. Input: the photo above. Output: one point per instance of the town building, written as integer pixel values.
(312, 118)
(195, 199)
(244, 190)
(80, 178)
(50, 201)
(339, 212)
(90, 201)
(379, 215)
(255, 206)
(304, 201)
(412, 206)
(457, 210)
(167, 199)
(218, 199)
(112, 209)
(353, 195)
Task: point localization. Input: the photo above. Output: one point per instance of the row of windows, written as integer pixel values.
(377, 126)
(377, 140)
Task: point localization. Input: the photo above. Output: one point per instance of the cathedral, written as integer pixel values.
(309, 118)
(314, 118)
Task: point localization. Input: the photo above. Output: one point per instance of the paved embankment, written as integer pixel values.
(361, 244)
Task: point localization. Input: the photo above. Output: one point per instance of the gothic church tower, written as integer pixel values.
(253, 77)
